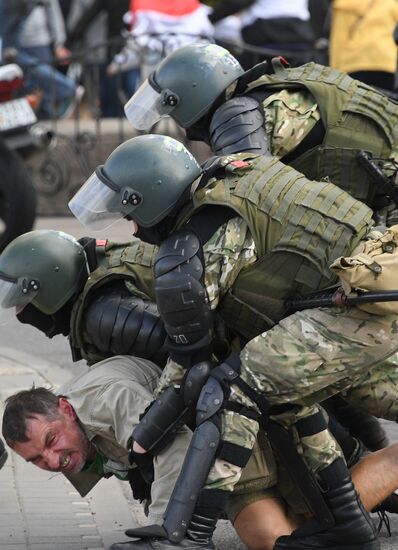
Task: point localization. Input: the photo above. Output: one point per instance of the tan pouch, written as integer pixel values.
(373, 267)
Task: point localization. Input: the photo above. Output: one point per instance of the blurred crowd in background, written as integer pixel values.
(96, 52)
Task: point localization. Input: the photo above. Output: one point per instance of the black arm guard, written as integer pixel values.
(181, 297)
(160, 422)
(238, 125)
(119, 323)
(193, 382)
(197, 463)
(170, 411)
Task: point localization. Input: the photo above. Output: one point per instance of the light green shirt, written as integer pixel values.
(108, 400)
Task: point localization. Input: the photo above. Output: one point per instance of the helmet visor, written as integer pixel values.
(144, 108)
(94, 204)
(15, 293)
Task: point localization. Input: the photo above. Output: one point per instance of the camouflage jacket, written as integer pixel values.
(354, 117)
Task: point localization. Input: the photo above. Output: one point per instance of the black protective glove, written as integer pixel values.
(140, 488)
(141, 477)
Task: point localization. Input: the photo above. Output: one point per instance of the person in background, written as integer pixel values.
(276, 26)
(94, 29)
(33, 35)
(361, 40)
(156, 29)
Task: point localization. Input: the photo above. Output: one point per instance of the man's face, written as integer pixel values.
(58, 445)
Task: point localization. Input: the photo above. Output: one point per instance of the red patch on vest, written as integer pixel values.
(284, 61)
(101, 242)
(240, 164)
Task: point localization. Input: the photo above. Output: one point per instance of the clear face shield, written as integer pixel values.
(96, 203)
(149, 104)
(15, 294)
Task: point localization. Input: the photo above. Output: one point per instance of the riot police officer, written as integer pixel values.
(314, 118)
(252, 230)
(105, 313)
(98, 293)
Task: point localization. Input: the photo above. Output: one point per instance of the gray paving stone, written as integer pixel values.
(36, 512)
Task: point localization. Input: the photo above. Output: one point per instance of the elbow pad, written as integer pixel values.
(238, 126)
(181, 294)
(122, 324)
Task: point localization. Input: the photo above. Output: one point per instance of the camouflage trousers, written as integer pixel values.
(302, 361)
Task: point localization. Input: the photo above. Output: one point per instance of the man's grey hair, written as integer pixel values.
(25, 405)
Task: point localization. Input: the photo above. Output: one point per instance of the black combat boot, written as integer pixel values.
(199, 533)
(360, 424)
(390, 505)
(161, 544)
(353, 529)
(198, 536)
(3, 454)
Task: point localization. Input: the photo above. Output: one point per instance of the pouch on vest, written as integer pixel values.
(373, 267)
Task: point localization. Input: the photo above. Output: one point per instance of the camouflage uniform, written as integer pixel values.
(306, 358)
(350, 116)
(289, 117)
(132, 263)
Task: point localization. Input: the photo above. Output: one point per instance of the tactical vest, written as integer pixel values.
(355, 117)
(130, 262)
(299, 227)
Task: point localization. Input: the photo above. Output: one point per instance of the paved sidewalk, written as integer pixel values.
(40, 510)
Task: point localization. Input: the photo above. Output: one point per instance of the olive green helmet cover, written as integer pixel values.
(143, 179)
(42, 267)
(184, 85)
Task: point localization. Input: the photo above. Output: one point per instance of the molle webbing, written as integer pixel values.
(128, 262)
(341, 94)
(135, 259)
(134, 252)
(297, 212)
(355, 116)
(339, 166)
(299, 228)
(312, 72)
(377, 106)
(314, 77)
